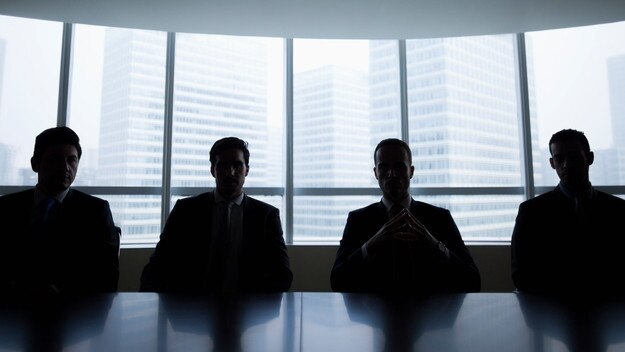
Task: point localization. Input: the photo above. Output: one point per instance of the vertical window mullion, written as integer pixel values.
(525, 130)
(403, 89)
(168, 126)
(288, 112)
(66, 57)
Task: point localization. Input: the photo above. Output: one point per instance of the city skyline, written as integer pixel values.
(462, 112)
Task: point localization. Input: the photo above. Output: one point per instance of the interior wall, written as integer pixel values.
(311, 265)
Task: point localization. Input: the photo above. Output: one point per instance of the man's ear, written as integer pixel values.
(411, 170)
(551, 163)
(247, 170)
(213, 171)
(34, 164)
(591, 158)
(375, 172)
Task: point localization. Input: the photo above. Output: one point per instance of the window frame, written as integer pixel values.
(288, 191)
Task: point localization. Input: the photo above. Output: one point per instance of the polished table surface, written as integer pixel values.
(310, 321)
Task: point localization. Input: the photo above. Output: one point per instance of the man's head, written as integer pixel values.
(55, 159)
(393, 168)
(230, 164)
(571, 158)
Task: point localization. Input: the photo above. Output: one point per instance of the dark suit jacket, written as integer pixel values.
(180, 261)
(433, 272)
(80, 254)
(554, 250)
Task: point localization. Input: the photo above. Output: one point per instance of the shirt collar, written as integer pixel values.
(405, 202)
(590, 191)
(237, 200)
(40, 196)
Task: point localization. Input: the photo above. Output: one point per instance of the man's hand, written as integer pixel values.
(402, 227)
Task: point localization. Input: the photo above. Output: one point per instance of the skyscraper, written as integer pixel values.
(616, 85)
(331, 145)
(463, 124)
(220, 89)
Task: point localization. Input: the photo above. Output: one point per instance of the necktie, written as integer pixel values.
(43, 215)
(49, 213)
(222, 244)
(395, 209)
(581, 207)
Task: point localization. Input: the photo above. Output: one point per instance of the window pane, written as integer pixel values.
(480, 218)
(462, 112)
(322, 218)
(580, 84)
(227, 86)
(464, 126)
(139, 217)
(30, 59)
(346, 98)
(116, 105)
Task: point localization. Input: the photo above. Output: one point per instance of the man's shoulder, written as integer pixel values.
(543, 199)
(82, 198)
(12, 201)
(251, 202)
(609, 199)
(372, 208)
(196, 201)
(427, 207)
(18, 195)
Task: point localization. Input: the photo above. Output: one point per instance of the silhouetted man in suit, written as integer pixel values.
(57, 239)
(221, 241)
(399, 244)
(569, 239)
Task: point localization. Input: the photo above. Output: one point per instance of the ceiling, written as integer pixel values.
(340, 19)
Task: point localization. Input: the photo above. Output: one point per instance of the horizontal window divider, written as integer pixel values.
(615, 190)
(120, 190)
(423, 191)
(307, 191)
(252, 191)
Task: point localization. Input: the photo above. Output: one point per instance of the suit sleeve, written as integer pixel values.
(464, 275)
(96, 267)
(278, 274)
(519, 250)
(155, 275)
(109, 267)
(349, 269)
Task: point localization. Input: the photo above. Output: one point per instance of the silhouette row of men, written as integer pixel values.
(60, 240)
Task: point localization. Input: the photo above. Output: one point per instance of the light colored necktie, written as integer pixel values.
(222, 244)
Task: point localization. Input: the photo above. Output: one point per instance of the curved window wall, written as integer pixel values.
(477, 111)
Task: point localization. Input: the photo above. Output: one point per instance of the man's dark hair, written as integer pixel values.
(569, 135)
(56, 136)
(229, 143)
(393, 141)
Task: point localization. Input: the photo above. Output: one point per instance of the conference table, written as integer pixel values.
(310, 321)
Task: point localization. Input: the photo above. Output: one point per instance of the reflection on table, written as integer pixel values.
(310, 321)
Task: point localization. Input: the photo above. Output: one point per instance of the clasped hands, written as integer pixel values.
(403, 227)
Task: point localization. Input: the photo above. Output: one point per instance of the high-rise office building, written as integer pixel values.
(331, 146)
(7, 158)
(219, 90)
(616, 85)
(463, 123)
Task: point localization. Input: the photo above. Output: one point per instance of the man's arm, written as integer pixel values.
(464, 274)
(154, 277)
(109, 266)
(518, 250)
(279, 275)
(348, 272)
